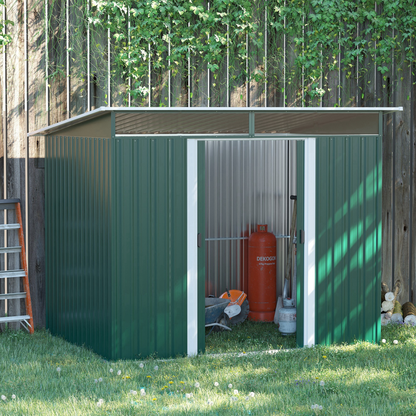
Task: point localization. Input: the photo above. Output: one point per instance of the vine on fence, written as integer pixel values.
(323, 35)
(5, 38)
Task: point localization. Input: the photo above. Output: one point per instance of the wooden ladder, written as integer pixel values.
(27, 319)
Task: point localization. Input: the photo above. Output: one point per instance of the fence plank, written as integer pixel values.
(401, 178)
(38, 117)
(78, 57)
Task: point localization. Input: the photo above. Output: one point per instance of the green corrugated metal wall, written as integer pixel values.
(300, 173)
(348, 239)
(149, 237)
(116, 238)
(116, 244)
(78, 240)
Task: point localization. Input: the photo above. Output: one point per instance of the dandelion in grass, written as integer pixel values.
(95, 380)
(111, 370)
(154, 399)
(156, 368)
(233, 399)
(13, 396)
(216, 384)
(235, 392)
(149, 376)
(322, 383)
(197, 385)
(100, 380)
(230, 386)
(142, 392)
(99, 404)
(119, 372)
(58, 369)
(210, 402)
(101, 400)
(247, 398)
(134, 392)
(320, 407)
(3, 397)
(251, 394)
(191, 394)
(383, 341)
(324, 356)
(187, 395)
(141, 365)
(395, 342)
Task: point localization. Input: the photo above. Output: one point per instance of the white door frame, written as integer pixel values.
(192, 241)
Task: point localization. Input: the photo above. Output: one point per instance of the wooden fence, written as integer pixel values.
(41, 85)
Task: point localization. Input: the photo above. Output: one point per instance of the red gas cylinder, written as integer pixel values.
(262, 275)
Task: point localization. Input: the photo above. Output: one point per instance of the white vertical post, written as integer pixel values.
(109, 66)
(170, 76)
(68, 85)
(88, 62)
(192, 247)
(47, 60)
(265, 56)
(149, 69)
(27, 150)
(284, 62)
(309, 250)
(129, 46)
(189, 73)
(247, 77)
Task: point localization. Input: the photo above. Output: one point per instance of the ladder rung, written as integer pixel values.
(6, 274)
(19, 295)
(16, 249)
(9, 226)
(14, 318)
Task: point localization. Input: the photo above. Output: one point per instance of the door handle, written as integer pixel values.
(199, 240)
(302, 236)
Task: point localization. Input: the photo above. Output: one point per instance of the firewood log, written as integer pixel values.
(396, 290)
(387, 306)
(409, 311)
(384, 290)
(397, 315)
(384, 320)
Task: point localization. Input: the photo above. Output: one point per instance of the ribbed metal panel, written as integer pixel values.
(247, 183)
(149, 282)
(116, 244)
(348, 241)
(78, 240)
(182, 123)
(317, 123)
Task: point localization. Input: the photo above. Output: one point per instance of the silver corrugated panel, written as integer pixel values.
(182, 123)
(317, 123)
(247, 183)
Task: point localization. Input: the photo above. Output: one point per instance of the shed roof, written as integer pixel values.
(243, 121)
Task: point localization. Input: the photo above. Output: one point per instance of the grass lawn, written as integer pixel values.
(360, 379)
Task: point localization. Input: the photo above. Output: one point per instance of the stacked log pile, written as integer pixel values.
(391, 309)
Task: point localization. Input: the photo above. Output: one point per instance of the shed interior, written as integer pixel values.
(247, 182)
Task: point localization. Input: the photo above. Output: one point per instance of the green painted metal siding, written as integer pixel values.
(116, 271)
(348, 239)
(149, 236)
(78, 240)
(300, 216)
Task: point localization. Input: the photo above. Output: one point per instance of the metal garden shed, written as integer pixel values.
(126, 221)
